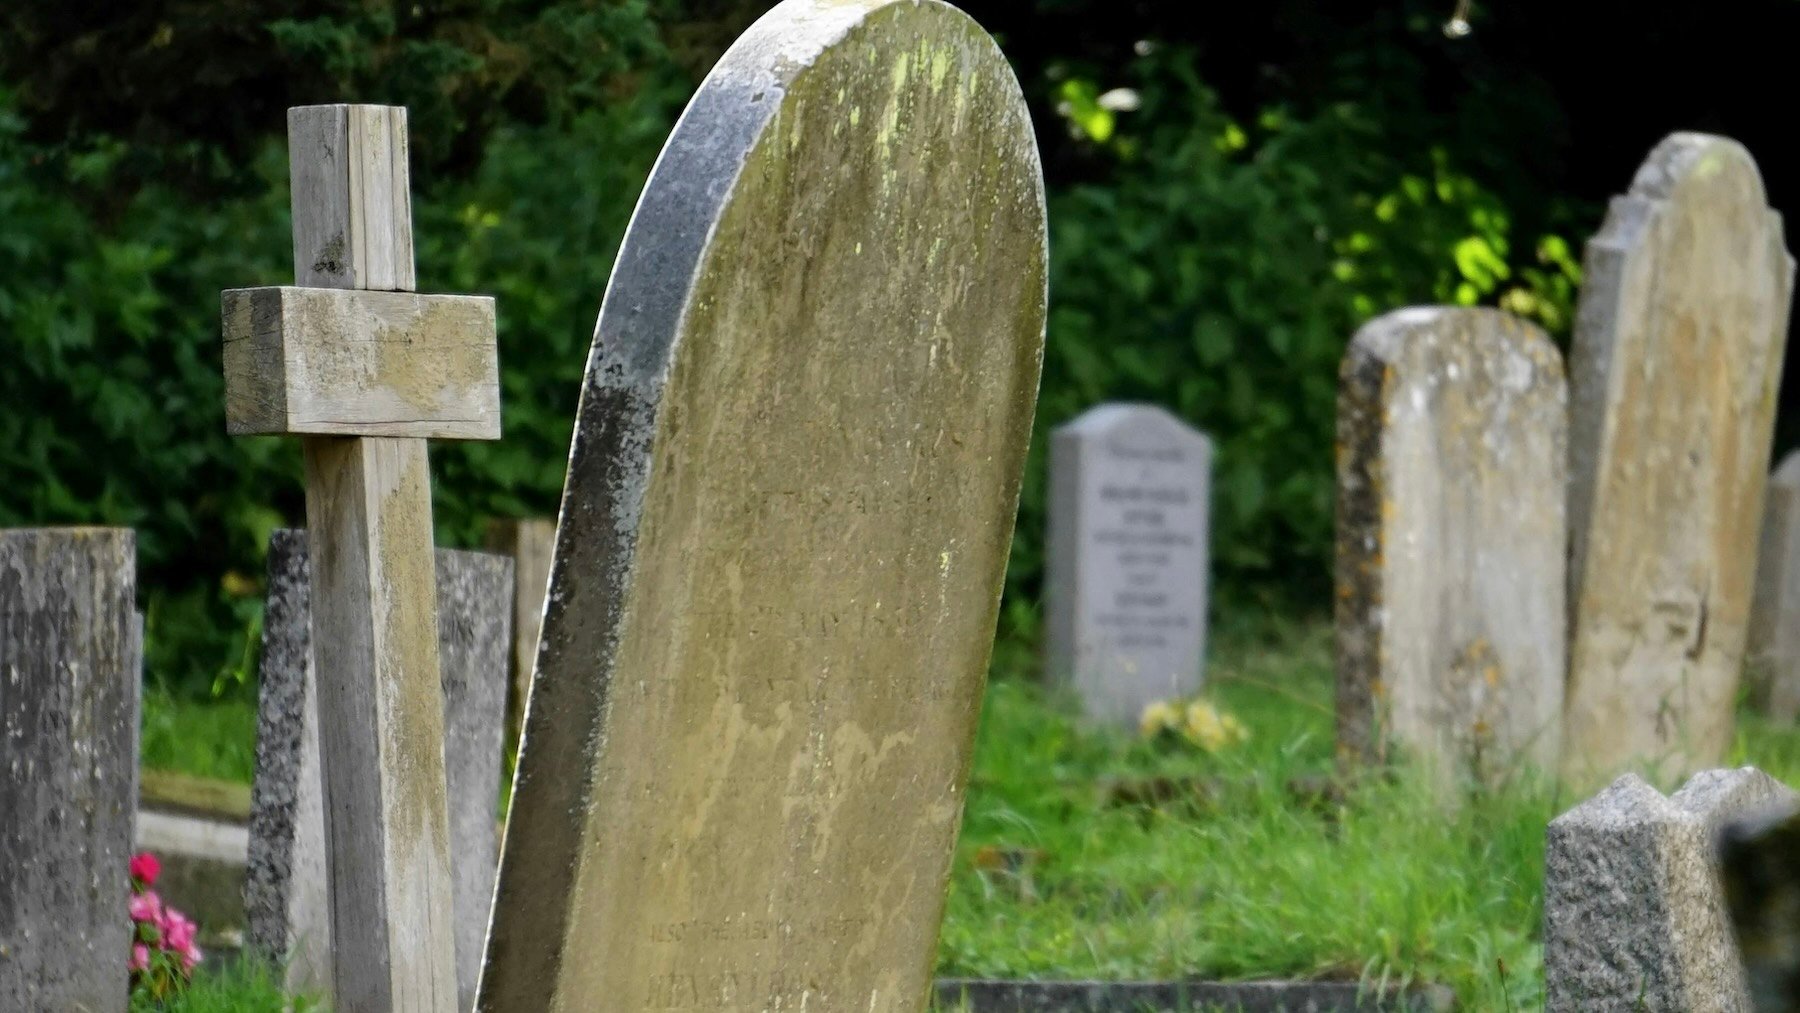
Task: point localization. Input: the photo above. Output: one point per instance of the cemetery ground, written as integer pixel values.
(1092, 853)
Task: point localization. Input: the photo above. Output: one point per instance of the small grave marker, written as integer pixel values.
(1127, 559)
(1774, 640)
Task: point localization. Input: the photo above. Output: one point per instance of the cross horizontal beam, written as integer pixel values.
(348, 362)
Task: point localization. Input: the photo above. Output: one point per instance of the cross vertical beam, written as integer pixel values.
(368, 508)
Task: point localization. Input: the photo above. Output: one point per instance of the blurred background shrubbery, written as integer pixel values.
(1233, 191)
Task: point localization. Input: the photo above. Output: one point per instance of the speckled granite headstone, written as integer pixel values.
(1127, 558)
(1634, 914)
(1773, 655)
(1452, 433)
(1673, 373)
(285, 890)
(789, 506)
(69, 652)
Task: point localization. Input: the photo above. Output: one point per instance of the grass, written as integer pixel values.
(1090, 852)
(232, 986)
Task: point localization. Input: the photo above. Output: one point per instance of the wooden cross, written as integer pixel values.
(365, 371)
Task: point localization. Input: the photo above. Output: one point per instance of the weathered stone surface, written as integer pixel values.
(528, 542)
(286, 894)
(1773, 654)
(70, 644)
(990, 996)
(1130, 487)
(1634, 916)
(1452, 437)
(789, 505)
(1674, 368)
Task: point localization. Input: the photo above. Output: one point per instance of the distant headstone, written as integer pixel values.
(1673, 373)
(1634, 914)
(789, 507)
(528, 543)
(286, 895)
(1774, 646)
(70, 645)
(1129, 492)
(1452, 436)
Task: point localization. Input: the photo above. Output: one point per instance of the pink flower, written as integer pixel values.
(145, 868)
(177, 931)
(190, 957)
(145, 907)
(140, 957)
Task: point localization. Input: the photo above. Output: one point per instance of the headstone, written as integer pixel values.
(1774, 640)
(1673, 374)
(528, 543)
(1452, 439)
(1127, 557)
(789, 507)
(1634, 914)
(286, 895)
(69, 685)
(366, 370)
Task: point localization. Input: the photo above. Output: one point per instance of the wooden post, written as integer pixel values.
(394, 369)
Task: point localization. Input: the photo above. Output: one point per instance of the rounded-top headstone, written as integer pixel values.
(1674, 369)
(1127, 558)
(786, 523)
(1452, 438)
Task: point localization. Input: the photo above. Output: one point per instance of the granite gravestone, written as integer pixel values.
(1774, 641)
(1673, 374)
(1634, 914)
(286, 893)
(70, 649)
(789, 507)
(1452, 435)
(1127, 558)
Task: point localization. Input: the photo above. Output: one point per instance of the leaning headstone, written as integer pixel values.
(286, 895)
(69, 684)
(1673, 373)
(1634, 914)
(788, 513)
(1773, 656)
(1452, 431)
(1127, 558)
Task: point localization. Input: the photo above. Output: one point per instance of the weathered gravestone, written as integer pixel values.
(70, 678)
(528, 542)
(366, 371)
(1774, 640)
(788, 511)
(1634, 914)
(1452, 436)
(286, 897)
(1673, 372)
(1129, 492)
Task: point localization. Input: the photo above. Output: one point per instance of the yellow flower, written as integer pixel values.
(1210, 730)
(1159, 717)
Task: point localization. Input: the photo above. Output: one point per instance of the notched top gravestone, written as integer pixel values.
(1774, 642)
(1674, 368)
(1129, 488)
(1452, 434)
(70, 643)
(788, 511)
(1635, 917)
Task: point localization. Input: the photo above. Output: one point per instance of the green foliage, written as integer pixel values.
(1219, 268)
(232, 986)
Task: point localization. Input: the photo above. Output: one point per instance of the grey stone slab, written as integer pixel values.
(203, 863)
(1451, 477)
(1130, 493)
(788, 512)
(999, 996)
(286, 893)
(1674, 367)
(1634, 912)
(1773, 650)
(70, 652)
